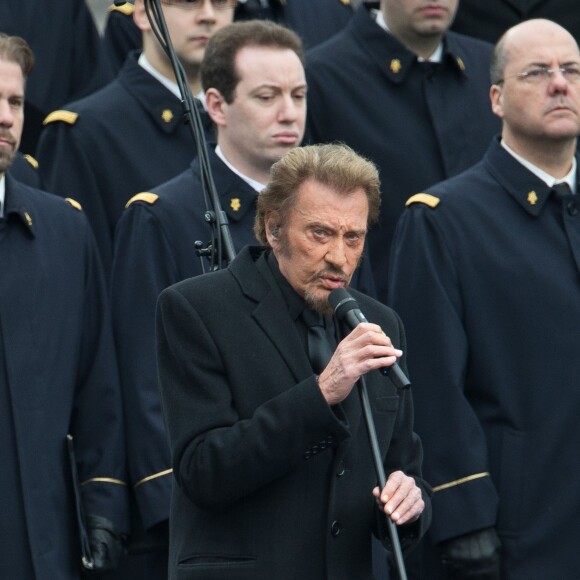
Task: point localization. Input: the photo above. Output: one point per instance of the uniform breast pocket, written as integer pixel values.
(217, 567)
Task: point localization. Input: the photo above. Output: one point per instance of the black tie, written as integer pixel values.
(319, 347)
(564, 193)
(562, 190)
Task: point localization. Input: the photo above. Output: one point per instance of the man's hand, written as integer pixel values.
(401, 498)
(106, 543)
(365, 349)
(473, 556)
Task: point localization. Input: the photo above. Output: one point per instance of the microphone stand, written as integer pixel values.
(380, 471)
(221, 250)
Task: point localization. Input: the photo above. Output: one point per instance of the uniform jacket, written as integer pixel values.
(154, 248)
(487, 280)
(61, 375)
(70, 60)
(489, 20)
(126, 138)
(270, 482)
(419, 123)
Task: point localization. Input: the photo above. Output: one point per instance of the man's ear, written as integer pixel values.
(496, 98)
(216, 107)
(272, 230)
(140, 16)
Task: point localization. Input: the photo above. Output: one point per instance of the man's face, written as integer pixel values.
(267, 115)
(320, 244)
(411, 18)
(536, 110)
(190, 27)
(11, 111)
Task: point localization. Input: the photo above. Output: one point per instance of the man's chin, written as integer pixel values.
(318, 301)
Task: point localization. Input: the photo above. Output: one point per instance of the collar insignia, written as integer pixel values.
(235, 203)
(167, 115)
(396, 66)
(532, 198)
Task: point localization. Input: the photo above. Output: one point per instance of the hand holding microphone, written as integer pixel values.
(365, 349)
(346, 310)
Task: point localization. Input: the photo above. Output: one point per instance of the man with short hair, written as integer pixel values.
(130, 136)
(272, 468)
(489, 263)
(58, 372)
(256, 97)
(400, 89)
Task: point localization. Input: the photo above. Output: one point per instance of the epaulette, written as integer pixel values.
(65, 116)
(425, 198)
(74, 203)
(147, 197)
(127, 8)
(31, 160)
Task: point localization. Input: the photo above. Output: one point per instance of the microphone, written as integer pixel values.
(346, 310)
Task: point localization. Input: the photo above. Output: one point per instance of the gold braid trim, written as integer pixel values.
(460, 481)
(103, 480)
(154, 476)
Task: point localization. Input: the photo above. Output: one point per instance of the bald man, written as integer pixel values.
(486, 275)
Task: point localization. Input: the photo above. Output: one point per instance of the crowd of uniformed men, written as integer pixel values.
(477, 248)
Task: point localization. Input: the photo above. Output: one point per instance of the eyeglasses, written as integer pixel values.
(197, 4)
(543, 74)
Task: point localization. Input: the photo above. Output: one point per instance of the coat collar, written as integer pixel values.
(237, 197)
(19, 204)
(164, 108)
(391, 56)
(528, 190)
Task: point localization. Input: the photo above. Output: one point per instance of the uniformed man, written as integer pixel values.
(70, 60)
(58, 372)
(489, 264)
(131, 136)
(418, 106)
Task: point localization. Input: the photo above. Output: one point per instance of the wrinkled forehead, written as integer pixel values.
(539, 42)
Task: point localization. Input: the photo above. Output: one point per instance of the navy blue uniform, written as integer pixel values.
(70, 59)
(486, 276)
(420, 123)
(154, 248)
(126, 138)
(489, 20)
(58, 375)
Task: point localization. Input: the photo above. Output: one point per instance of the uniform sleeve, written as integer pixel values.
(424, 289)
(97, 422)
(142, 268)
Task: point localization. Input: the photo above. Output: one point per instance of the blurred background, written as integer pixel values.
(99, 9)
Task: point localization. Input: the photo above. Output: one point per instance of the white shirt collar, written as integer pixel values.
(167, 83)
(548, 179)
(437, 53)
(251, 182)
